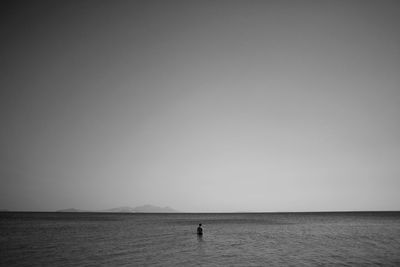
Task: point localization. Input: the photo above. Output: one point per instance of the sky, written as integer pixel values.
(203, 106)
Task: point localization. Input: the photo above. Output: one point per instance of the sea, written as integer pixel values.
(229, 239)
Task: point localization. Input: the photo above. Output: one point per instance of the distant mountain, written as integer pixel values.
(139, 209)
(155, 209)
(71, 210)
(142, 209)
(119, 209)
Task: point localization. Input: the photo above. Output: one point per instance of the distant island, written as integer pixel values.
(71, 210)
(138, 209)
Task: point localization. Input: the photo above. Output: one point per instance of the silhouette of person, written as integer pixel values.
(199, 230)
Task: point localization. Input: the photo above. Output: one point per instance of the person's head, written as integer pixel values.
(199, 224)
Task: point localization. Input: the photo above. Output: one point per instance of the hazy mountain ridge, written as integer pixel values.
(150, 208)
(72, 210)
(138, 209)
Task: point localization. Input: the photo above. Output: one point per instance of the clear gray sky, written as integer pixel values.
(200, 105)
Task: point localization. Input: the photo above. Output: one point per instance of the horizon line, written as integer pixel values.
(199, 212)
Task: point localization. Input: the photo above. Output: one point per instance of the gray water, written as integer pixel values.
(237, 239)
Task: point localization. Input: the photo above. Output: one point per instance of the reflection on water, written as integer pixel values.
(200, 246)
(81, 239)
(200, 238)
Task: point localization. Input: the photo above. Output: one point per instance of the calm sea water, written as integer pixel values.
(262, 239)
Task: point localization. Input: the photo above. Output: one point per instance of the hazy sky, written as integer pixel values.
(200, 105)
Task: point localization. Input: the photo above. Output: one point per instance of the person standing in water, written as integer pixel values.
(199, 230)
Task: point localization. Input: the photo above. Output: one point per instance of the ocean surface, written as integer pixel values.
(233, 239)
